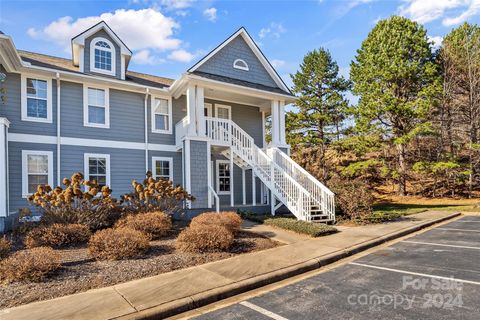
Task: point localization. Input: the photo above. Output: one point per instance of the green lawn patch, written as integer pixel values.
(303, 227)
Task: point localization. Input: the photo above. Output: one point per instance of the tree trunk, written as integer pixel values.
(402, 181)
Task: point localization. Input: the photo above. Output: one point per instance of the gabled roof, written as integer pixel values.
(255, 49)
(79, 40)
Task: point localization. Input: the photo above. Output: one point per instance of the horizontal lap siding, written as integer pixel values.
(126, 115)
(11, 109)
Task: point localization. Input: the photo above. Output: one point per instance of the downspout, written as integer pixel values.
(146, 128)
(58, 130)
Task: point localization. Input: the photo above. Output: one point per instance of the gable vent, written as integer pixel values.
(240, 64)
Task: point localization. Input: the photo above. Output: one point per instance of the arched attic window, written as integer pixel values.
(240, 64)
(102, 56)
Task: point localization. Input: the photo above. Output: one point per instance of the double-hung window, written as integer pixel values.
(161, 115)
(96, 110)
(223, 176)
(97, 167)
(162, 168)
(37, 169)
(36, 99)
(102, 56)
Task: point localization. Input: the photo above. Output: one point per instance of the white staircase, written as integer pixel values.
(299, 191)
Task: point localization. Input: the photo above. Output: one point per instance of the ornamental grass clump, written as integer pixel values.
(57, 235)
(154, 224)
(29, 265)
(117, 244)
(204, 238)
(230, 220)
(71, 204)
(155, 195)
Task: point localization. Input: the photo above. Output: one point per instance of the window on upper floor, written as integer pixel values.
(97, 167)
(240, 64)
(161, 115)
(36, 99)
(162, 168)
(96, 110)
(223, 176)
(102, 56)
(37, 169)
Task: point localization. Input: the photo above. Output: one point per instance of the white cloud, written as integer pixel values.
(424, 11)
(276, 63)
(181, 56)
(436, 41)
(145, 57)
(176, 4)
(210, 14)
(274, 29)
(130, 25)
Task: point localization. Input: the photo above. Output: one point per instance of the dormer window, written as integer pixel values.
(240, 64)
(102, 56)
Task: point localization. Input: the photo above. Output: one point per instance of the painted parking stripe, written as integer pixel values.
(415, 273)
(265, 312)
(453, 229)
(441, 245)
(465, 221)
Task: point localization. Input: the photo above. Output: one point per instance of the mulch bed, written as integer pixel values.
(80, 272)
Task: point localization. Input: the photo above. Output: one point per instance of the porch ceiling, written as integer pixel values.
(217, 94)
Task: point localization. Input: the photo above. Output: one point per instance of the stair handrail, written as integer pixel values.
(215, 195)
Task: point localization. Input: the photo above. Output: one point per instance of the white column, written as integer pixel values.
(281, 129)
(254, 193)
(232, 195)
(4, 124)
(244, 194)
(264, 142)
(191, 101)
(188, 176)
(200, 106)
(209, 175)
(275, 123)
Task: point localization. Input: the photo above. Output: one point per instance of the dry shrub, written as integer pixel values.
(230, 220)
(117, 244)
(204, 238)
(57, 235)
(154, 224)
(354, 198)
(5, 247)
(32, 264)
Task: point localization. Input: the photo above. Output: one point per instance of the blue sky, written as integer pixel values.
(168, 36)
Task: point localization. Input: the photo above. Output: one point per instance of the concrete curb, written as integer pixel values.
(201, 299)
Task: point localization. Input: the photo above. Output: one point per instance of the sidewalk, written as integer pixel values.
(175, 292)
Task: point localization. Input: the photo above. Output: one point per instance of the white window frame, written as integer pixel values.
(86, 172)
(92, 56)
(208, 106)
(24, 113)
(244, 68)
(154, 166)
(153, 113)
(224, 106)
(86, 123)
(25, 154)
(217, 177)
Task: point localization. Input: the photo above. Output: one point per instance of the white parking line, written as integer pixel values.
(265, 312)
(415, 273)
(441, 245)
(453, 229)
(466, 221)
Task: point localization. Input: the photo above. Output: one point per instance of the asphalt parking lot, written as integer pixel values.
(433, 275)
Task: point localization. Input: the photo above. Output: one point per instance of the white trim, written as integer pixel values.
(255, 50)
(170, 166)
(245, 67)
(25, 154)
(217, 177)
(244, 193)
(4, 123)
(112, 51)
(188, 177)
(33, 138)
(23, 86)
(106, 92)
(152, 114)
(209, 175)
(58, 130)
(209, 107)
(122, 67)
(86, 173)
(223, 106)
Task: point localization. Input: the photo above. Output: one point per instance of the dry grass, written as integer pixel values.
(154, 224)
(29, 265)
(205, 238)
(230, 220)
(57, 235)
(117, 244)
